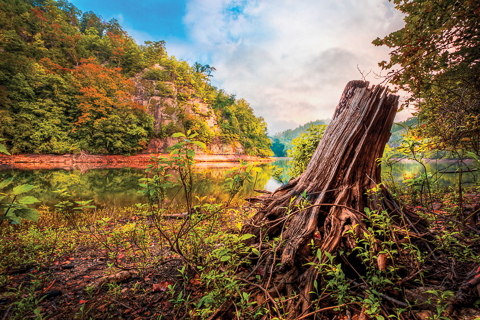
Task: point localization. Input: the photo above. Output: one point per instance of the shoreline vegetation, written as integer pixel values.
(74, 83)
(351, 233)
(169, 260)
(49, 161)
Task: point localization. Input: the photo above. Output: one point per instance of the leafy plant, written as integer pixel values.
(432, 57)
(15, 207)
(235, 178)
(303, 149)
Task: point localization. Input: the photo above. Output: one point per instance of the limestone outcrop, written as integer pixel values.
(168, 104)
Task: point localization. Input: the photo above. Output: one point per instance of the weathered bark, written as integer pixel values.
(341, 170)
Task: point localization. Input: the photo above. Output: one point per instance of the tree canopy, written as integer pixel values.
(66, 85)
(435, 57)
(285, 138)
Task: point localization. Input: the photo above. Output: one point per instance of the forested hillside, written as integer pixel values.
(282, 141)
(398, 130)
(71, 82)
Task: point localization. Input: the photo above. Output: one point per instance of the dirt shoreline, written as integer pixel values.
(52, 161)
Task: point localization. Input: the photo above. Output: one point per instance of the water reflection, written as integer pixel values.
(119, 186)
(437, 168)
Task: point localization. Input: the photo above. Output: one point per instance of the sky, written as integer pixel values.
(289, 59)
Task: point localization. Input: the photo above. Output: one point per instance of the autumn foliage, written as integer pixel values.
(64, 85)
(66, 88)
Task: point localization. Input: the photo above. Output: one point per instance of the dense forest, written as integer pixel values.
(68, 84)
(351, 234)
(282, 141)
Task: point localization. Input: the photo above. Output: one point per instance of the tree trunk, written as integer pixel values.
(335, 182)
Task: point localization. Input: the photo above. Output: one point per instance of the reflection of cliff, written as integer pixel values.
(120, 186)
(71, 161)
(104, 186)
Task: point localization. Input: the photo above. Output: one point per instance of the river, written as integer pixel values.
(120, 186)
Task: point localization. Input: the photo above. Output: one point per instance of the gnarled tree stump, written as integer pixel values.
(341, 170)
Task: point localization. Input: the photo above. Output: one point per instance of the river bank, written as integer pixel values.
(52, 161)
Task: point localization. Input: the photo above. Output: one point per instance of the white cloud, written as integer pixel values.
(289, 59)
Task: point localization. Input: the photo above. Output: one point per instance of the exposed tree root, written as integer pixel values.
(329, 200)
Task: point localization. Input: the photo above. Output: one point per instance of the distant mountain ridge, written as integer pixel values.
(282, 141)
(397, 131)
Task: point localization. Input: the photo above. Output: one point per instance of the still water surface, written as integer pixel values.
(120, 186)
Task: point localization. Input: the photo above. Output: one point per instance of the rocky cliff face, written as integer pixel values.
(166, 102)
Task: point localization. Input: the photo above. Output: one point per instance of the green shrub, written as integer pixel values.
(165, 90)
(304, 147)
(156, 74)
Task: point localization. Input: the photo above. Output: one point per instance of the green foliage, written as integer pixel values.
(26, 300)
(156, 74)
(437, 51)
(65, 89)
(238, 123)
(235, 178)
(65, 85)
(181, 161)
(16, 208)
(155, 188)
(164, 89)
(196, 239)
(304, 147)
(2, 148)
(197, 126)
(286, 137)
(278, 148)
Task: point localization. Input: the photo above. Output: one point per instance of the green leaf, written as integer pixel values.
(5, 183)
(178, 134)
(22, 189)
(200, 144)
(190, 153)
(27, 213)
(6, 205)
(246, 237)
(14, 219)
(3, 149)
(28, 200)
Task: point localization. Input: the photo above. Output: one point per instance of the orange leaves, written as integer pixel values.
(83, 119)
(382, 261)
(118, 43)
(101, 89)
(51, 67)
(196, 280)
(107, 81)
(39, 14)
(161, 286)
